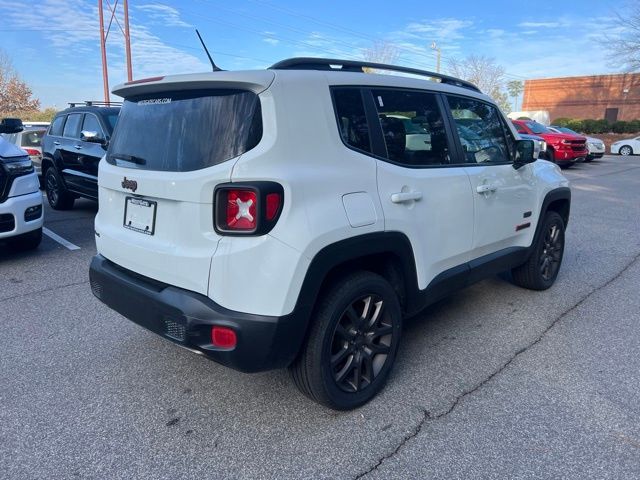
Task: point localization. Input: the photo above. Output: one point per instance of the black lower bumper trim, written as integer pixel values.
(186, 318)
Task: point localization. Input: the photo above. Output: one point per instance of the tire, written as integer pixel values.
(358, 322)
(625, 150)
(549, 154)
(540, 271)
(58, 196)
(27, 241)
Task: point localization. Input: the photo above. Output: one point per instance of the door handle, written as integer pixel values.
(77, 147)
(402, 197)
(56, 143)
(486, 188)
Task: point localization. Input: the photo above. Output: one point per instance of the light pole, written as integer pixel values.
(434, 46)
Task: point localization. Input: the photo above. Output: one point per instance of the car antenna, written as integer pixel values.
(213, 65)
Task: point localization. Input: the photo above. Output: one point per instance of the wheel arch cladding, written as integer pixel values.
(389, 254)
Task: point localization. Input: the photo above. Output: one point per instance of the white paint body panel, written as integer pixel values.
(24, 193)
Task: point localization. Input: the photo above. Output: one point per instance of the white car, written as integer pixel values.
(280, 218)
(20, 198)
(594, 145)
(629, 146)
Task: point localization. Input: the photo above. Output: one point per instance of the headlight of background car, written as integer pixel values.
(19, 166)
(543, 146)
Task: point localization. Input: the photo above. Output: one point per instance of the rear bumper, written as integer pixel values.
(186, 318)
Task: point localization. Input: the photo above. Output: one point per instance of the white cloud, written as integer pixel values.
(540, 24)
(163, 15)
(271, 41)
(71, 30)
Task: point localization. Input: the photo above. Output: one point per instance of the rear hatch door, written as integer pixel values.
(170, 149)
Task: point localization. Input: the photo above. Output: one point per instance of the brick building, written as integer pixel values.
(614, 97)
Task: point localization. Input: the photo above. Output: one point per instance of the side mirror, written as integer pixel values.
(92, 137)
(11, 125)
(525, 153)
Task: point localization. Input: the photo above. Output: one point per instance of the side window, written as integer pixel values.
(480, 130)
(72, 126)
(56, 126)
(352, 121)
(413, 127)
(91, 124)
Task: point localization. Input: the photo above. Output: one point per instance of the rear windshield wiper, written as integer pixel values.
(128, 158)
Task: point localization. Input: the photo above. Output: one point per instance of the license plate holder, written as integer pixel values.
(140, 215)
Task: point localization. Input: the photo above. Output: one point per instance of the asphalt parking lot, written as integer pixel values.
(493, 382)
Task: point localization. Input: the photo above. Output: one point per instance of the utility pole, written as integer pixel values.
(127, 40)
(434, 46)
(103, 52)
(104, 34)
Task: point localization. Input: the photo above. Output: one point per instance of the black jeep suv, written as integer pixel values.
(71, 150)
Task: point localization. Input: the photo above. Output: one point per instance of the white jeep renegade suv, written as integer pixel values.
(289, 217)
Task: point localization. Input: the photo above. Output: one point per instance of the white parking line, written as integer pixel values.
(59, 239)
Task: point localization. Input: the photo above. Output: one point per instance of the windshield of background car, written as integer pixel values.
(32, 138)
(537, 128)
(185, 131)
(568, 130)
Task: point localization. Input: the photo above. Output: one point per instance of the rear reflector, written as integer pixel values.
(223, 337)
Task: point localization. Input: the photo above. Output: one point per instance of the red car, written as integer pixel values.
(564, 149)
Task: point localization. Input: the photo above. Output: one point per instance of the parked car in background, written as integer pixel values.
(562, 148)
(30, 140)
(594, 145)
(629, 146)
(72, 148)
(20, 197)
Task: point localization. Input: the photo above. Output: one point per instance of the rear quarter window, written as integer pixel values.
(56, 126)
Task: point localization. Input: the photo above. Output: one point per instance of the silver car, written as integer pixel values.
(30, 140)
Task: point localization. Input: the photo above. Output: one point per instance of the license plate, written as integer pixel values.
(140, 215)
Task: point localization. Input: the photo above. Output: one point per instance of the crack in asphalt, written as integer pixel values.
(51, 289)
(427, 417)
(415, 431)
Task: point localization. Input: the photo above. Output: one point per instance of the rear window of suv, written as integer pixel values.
(185, 131)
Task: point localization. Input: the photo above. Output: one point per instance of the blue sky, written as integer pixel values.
(54, 44)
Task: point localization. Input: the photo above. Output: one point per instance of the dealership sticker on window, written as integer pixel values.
(380, 101)
(154, 101)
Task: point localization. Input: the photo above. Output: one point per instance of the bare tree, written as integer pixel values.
(625, 48)
(485, 73)
(15, 95)
(381, 52)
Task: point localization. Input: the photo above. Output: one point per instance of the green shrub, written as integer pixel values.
(633, 126)
(576, 125)
(561, 122)
(619, 127)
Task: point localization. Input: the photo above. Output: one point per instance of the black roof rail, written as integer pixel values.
(331, 64)
(93, 103)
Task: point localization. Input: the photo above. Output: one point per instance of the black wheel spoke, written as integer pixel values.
(337, 358)
(361, 343)
(379, 349)
(384, 330)
(344, 371)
